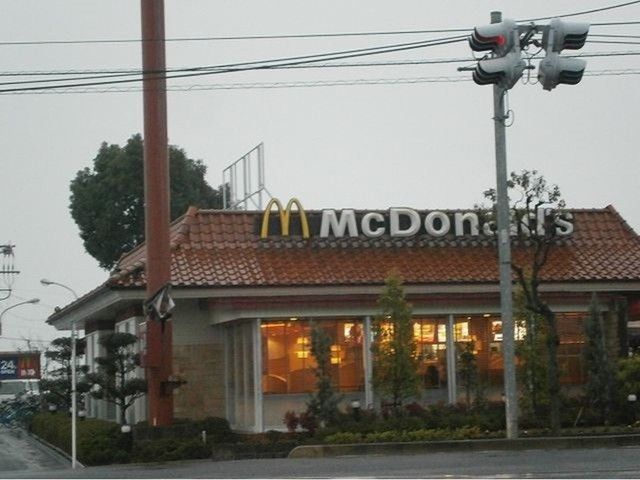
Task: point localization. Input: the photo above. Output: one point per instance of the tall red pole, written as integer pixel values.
(156, 196)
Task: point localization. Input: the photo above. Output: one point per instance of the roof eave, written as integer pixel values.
(103, 303)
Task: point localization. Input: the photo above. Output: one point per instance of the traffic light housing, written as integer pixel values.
(506, 65)
(505, 71)
(555, 69)
(497, 37)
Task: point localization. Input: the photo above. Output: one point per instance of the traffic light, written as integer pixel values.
(496, 37)
(506, 65)
(555, 69)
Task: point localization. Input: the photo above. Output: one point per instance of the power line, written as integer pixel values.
(407, 62)
(614, 42)
(264, 63)
(610, 24)
(584, 12)
(306, 35)
(613, 36)
(2, 337)
(258, 65)
(238, 37)
(297, 84)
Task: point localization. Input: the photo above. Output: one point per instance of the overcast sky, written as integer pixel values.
(426, 145)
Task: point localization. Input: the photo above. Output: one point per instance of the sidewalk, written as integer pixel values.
(596, 441)
(22, 453)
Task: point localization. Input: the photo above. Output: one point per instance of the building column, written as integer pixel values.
(257, 377)
(368, 363)
(452, 389)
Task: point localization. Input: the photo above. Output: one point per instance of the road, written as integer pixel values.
(622, 462)
(20, 454)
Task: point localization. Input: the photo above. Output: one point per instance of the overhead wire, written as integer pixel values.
(298, 84)
(332, 64)
(310, 35)
(257, 65)
(238, 37)
(265, 63)
(584, 12)
(305, 61)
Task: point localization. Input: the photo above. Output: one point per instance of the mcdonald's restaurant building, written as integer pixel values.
(248, 284)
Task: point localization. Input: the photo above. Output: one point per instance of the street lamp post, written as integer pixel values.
(32, 301)
(46, 283)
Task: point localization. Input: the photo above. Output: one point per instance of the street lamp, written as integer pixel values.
(46, 283)
(32, 301)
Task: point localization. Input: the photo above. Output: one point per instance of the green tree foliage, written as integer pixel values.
(532, 199)
(115, 377)
(56, 385)
(395, 367)
(532, 365)
(323, 404)
(628, 376)
(600, 381)
(107, 201)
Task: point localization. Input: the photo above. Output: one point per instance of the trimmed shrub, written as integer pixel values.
(169, 449)
(218, 430)
(422, 435)
(99, 442)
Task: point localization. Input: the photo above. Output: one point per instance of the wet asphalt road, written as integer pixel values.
(619, 462)
(20, 454)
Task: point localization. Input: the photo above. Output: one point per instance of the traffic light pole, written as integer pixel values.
(504, 254)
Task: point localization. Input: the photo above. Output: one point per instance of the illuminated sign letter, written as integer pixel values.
(331, 223)
(470, 217)
(542, 213)
(394, 222)
(489, 228)
(365, 225)
(285, 218)
(564, 226)
(429, 224)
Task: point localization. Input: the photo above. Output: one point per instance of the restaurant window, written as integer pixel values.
(288, 365)
(430, 335)
(570, 350)
(483, 333)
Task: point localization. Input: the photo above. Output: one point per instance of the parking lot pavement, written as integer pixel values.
(21, 453)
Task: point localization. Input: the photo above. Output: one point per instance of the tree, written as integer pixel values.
(536, 209)
(107, 201)
(600, 375)
(395, 365)
(116, 369)
(323, 405)
(56, 386)
(532, 365)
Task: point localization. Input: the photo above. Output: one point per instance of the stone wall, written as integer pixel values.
(202, 367)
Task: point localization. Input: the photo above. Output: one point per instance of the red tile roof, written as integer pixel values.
(212, 248)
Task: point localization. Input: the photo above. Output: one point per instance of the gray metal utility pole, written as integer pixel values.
(504, 254)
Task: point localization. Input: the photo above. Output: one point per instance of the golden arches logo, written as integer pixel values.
(285, 218)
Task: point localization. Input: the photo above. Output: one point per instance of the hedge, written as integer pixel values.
(99, 442)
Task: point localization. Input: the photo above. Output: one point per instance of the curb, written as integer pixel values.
(58, 450)
(400, 448)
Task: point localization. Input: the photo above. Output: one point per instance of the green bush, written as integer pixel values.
(422, 435)
(99, 442)
(168, 449)
(218, 430)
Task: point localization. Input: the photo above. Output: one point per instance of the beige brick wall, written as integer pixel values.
(202, 366)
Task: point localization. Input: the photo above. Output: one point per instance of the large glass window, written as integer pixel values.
(570, 350)
(240, 376)
(485, 333)
(287, 362)
(430, 335)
